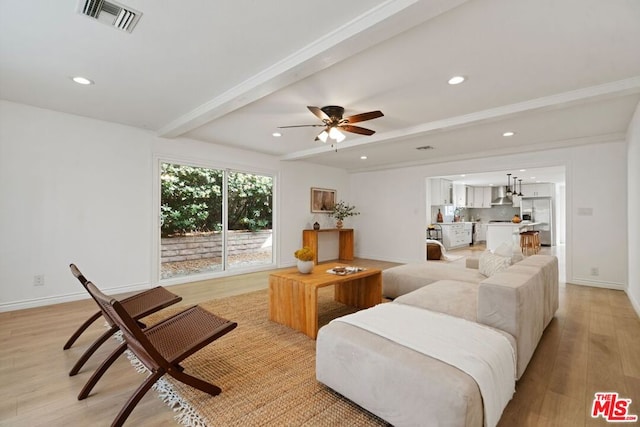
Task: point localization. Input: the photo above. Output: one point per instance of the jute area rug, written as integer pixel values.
(266, 372)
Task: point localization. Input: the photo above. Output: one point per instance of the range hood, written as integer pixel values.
(499, 197)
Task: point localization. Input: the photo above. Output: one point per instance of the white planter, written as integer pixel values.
(305, 267)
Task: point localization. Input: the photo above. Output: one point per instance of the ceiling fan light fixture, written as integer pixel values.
(323, 136)
(334, 133)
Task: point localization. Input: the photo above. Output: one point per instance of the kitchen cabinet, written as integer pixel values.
(441, 192)
(476, 200)
(481, 197)
(475, 197)
(538, 190)
(470, 196)
(460, 195)
(486, 197)
(456, 234)
(481, 231)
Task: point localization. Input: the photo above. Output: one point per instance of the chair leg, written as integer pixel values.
(92, 349)
(81, 329)
(135, 398)
(194, 382)
(100, 371)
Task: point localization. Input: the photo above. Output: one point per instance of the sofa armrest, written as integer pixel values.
(513, 302)
(473, 263)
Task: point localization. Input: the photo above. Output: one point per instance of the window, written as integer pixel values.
(213, 220)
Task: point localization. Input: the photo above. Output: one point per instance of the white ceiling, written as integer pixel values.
(556, 72)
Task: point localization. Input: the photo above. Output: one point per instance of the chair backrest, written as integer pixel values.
(136, 340)
(78, 275)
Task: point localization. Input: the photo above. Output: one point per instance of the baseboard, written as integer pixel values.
(58, 299)
(597, 284)
(385, 258)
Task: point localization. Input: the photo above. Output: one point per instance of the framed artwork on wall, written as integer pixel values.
(322, 200)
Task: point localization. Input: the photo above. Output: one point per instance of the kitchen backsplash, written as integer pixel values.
(471, 214)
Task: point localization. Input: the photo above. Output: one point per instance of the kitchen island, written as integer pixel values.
(509, 232)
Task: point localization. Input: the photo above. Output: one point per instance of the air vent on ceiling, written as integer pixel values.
(110, 13)
(425, 147)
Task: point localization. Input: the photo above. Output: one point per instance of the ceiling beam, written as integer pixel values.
(376, 25)
(562, 100)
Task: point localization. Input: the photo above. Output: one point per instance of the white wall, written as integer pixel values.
(394, 208)
(633, 197)
(80, 190)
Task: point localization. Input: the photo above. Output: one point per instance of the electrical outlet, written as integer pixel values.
(38, 280)
(595, 271)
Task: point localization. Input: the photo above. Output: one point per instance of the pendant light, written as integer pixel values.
(520, 193)
(509, 192)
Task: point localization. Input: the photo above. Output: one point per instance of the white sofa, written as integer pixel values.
(405, 387)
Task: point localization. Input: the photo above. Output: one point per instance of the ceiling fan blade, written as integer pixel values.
(363, 117)
(299, 126)
(357, 129)
(319, 113)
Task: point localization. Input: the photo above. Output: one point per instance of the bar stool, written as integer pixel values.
(530, 241)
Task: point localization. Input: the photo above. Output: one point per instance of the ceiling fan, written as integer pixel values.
(333, 122)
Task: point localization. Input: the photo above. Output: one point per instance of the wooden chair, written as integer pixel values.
(138, 306)
(530, 242)
(162, 346)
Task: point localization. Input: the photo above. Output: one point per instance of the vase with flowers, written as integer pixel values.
(342, 210)
(305, 259)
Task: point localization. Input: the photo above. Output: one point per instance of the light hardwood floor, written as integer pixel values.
(593, 344)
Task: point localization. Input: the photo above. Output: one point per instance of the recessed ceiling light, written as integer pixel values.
(277, 134)
(533, 177)
(82, 80)
(523, 170)
(463, 175)
(363, 157)
(456, 80)
(509, 133)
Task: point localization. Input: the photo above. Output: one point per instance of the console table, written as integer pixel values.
(345, 248)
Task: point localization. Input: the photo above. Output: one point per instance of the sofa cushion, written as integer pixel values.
(403, 279)
(510, 251)
(490, 263)
(452, 297)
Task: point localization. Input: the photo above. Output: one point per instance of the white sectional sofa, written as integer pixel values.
(406, 387)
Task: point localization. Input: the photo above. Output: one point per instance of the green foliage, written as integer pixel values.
(191, 200)
(342, 210)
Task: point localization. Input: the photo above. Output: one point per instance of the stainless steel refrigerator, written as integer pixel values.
(540, 209)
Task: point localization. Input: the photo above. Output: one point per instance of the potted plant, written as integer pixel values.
(305, 259)
(342, 210)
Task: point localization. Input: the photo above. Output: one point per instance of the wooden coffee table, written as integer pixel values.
(293, 296)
